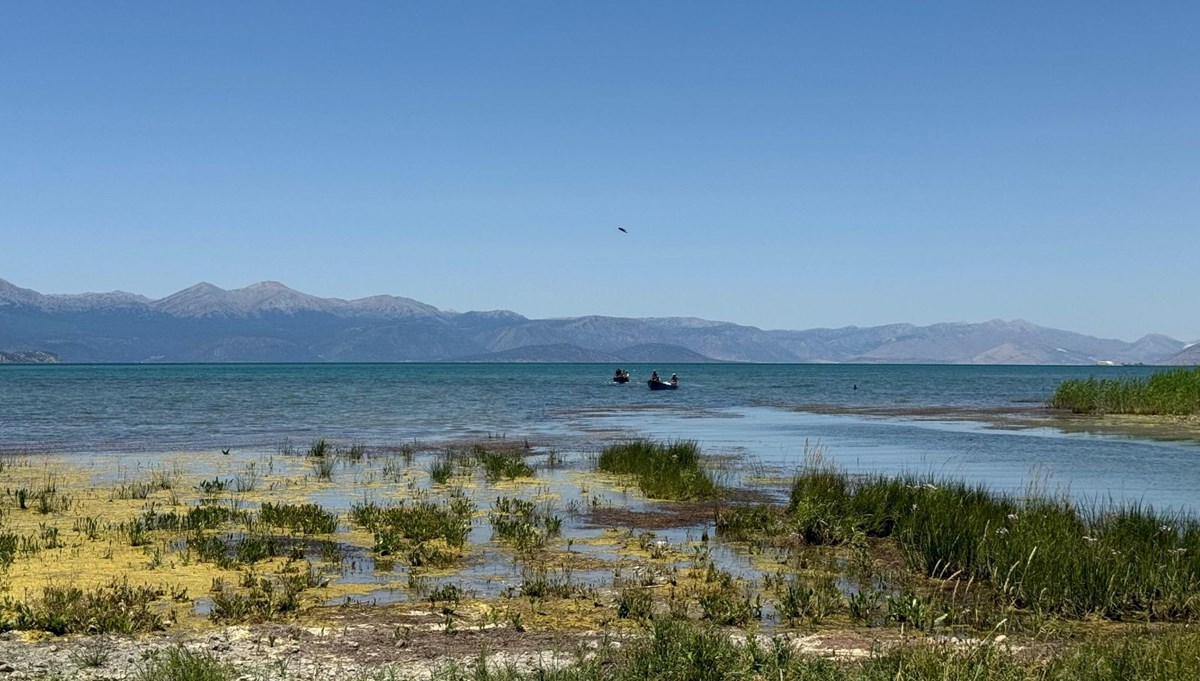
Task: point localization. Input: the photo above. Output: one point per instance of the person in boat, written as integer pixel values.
(618, 374)
(654, 377)
(674, 379)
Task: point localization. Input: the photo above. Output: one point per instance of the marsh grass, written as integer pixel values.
(1175, 392)
(426, 530)
(263, 598)
(441, 469)
(214, 486)
(322, 467)
(304, 518)
(524, 524)
(319, 449)
(502, 465)
(1040, 553)
(663, 471)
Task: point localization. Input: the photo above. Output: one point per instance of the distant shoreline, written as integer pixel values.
(1018, 417)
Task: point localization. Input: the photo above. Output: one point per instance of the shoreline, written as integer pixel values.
(621, 562)
(1166, 427)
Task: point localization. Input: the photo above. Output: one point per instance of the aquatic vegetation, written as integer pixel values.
(1040, 552)
(262, 598)
(159, 480)
(539, 584)
(724, 601)
(442, 468)
(356, 453)
(9, 545)
(214, 486)
(319, 449)
(1175, 392)
(425, 530)
(305, 518)
(322, 467)
(663, 471)
(502, 465)
(525, 524)
(806, 598)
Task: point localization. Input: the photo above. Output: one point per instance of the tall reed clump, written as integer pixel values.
(1175, 392)
(663, 471)
(1039, 552)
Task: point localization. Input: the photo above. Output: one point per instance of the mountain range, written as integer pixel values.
(269, 322)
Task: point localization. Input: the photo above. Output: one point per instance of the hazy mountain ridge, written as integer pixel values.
(269, 322)
(1189, 356)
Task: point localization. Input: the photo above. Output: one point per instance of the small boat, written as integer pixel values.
(623, 378)
(662, 385)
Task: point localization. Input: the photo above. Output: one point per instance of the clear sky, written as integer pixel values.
(783, 165)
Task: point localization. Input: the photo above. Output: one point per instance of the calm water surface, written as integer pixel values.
(746, 410)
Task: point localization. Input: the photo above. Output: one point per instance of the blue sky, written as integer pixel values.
(783, 165)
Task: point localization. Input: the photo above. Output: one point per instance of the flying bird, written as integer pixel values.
(623, 230)
(225, 451)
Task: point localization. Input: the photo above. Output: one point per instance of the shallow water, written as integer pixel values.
(743, 410)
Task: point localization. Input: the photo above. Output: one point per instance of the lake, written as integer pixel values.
(760, 415)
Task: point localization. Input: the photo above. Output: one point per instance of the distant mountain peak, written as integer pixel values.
(269, 285)
(269, 321)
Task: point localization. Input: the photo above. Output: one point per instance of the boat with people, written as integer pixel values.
(657, 383)
(621, 376)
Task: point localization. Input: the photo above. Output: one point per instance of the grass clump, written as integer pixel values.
(426, 531)
(502, 465)
(321, 456)
(1039, 553)
(262, 598)
(663, 471)
(181, 664)
(527, 525)
(305, 518)
(442, 468)
(1175, 392)
(116, 607)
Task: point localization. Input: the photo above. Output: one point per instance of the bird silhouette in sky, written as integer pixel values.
(623, 230)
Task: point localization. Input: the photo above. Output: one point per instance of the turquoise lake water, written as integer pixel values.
(762, 415)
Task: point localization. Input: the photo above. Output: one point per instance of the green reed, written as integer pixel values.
(663, 471)
(1039, 552)
(1175, 392)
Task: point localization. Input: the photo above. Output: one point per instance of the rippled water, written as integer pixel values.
(746, 410)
